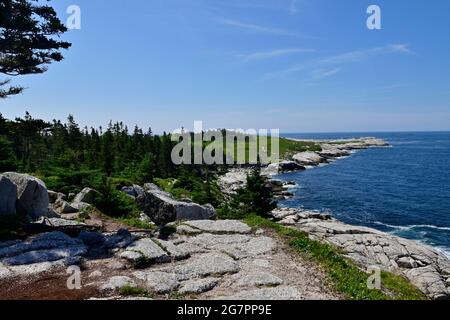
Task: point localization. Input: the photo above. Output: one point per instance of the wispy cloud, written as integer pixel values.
(286, 6)
(254, 28)
(344, 58)
(319, 74)
(392, 87)
(263, 55)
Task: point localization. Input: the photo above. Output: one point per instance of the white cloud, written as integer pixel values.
(262, 55)
(344, 58)
(319, 74)
(253, 28)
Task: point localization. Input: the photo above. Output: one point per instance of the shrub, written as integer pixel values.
(255, 198)
(113, 202)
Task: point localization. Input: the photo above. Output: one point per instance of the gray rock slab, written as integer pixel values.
(256, 279)
(279, 293)
(117, 282)
(197, 286)
(220, 226)
(206, 265)
(149, 249)
(158, 281)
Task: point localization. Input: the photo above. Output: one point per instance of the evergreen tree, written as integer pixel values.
(255, 198)
(8, 161)
(28, 40)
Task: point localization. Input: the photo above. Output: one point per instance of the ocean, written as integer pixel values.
(403, 190)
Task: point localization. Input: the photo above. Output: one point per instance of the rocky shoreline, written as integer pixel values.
(425, 267)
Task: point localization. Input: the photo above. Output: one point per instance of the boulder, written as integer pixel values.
(8, 196)
(32, 195)
(63, 207)
(282, 167)
(87, 195)
(53, 196)
(308, 158)
(233, 180)
(330, 151)
(162, 208)
(134, 191)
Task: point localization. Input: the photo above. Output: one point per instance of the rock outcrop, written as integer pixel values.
(331, 151)
(282, 167)
(55, 196)
(163, 208)
(134, 191)
(87, 195)
(233, 180)
(222, 259)
(47, 247)
(425, 267)
(308, 158)
(32, 195)
(8, 196)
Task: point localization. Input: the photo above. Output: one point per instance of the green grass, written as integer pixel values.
(168, 185)
(134, 222)
(287, 147)
(345, 277)
(175, 295)
(132, 291)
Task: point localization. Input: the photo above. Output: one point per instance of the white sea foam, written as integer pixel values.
(413, 226)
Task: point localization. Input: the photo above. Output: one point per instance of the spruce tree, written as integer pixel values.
(29, 40)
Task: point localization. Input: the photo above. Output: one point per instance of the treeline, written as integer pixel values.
(68, 157)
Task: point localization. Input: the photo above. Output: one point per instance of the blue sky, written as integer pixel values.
(295, 65)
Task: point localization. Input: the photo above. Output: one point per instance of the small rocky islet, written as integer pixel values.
(199, 257)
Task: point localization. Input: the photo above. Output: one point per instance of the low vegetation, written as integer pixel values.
(345, 277)
(129, 290)
(255, 198)
(290, 147)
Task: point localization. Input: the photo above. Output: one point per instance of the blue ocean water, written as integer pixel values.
(404, 190)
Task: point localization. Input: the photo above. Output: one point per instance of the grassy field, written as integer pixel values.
(344, 276)
(242, 143)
